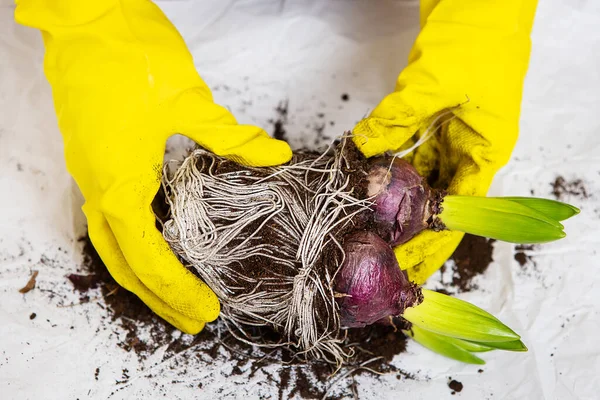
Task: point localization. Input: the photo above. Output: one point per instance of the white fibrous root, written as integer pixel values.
(267, 241)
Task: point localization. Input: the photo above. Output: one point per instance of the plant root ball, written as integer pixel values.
(268, 241)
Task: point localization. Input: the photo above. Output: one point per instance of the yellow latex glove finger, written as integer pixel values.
(123, 81)
(108, 248)
(246, 145)
(469, 52)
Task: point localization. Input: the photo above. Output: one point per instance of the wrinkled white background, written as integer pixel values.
(255, 54)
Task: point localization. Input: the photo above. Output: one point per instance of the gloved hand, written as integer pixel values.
(123, 81)
(470, 53)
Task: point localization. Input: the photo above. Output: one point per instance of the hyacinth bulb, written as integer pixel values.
(370, 284)
(405, 205)
(401, 199)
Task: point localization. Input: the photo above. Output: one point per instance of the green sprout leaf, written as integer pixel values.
(500, 219)
(553, 209)
(480, 347)
(455, 328)
(470, 346)
(515, 345)
(442, 345)
(449, 316)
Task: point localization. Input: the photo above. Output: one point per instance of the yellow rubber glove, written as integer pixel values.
(123, 81)
(469, 52)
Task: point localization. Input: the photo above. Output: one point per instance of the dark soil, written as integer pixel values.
(521, 255)
(455, 385)
(295, 377)
(471, 258)
(281, 120)
(561, 188)
(125, 308)
(84, 283)
(316, 127)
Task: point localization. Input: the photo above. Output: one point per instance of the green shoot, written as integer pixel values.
(455, 328)
(449, 316)
(553, 209)
(515, 345)
(498, 218)
(439, 344)
(470, 346)
(458, 349)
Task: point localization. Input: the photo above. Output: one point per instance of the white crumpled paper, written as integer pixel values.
(255, 54)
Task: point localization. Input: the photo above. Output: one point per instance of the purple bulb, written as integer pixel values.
(402, 199)
(370, 284)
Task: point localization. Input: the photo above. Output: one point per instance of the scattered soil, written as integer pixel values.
(281, 121)
(471, 258)
(455, 385)
(345, 97)
(305, 380)
(379, 343)
(561, 188)
(317, 127)
(84, 283)
(124, 307)
(521, 255)
(528, 265)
